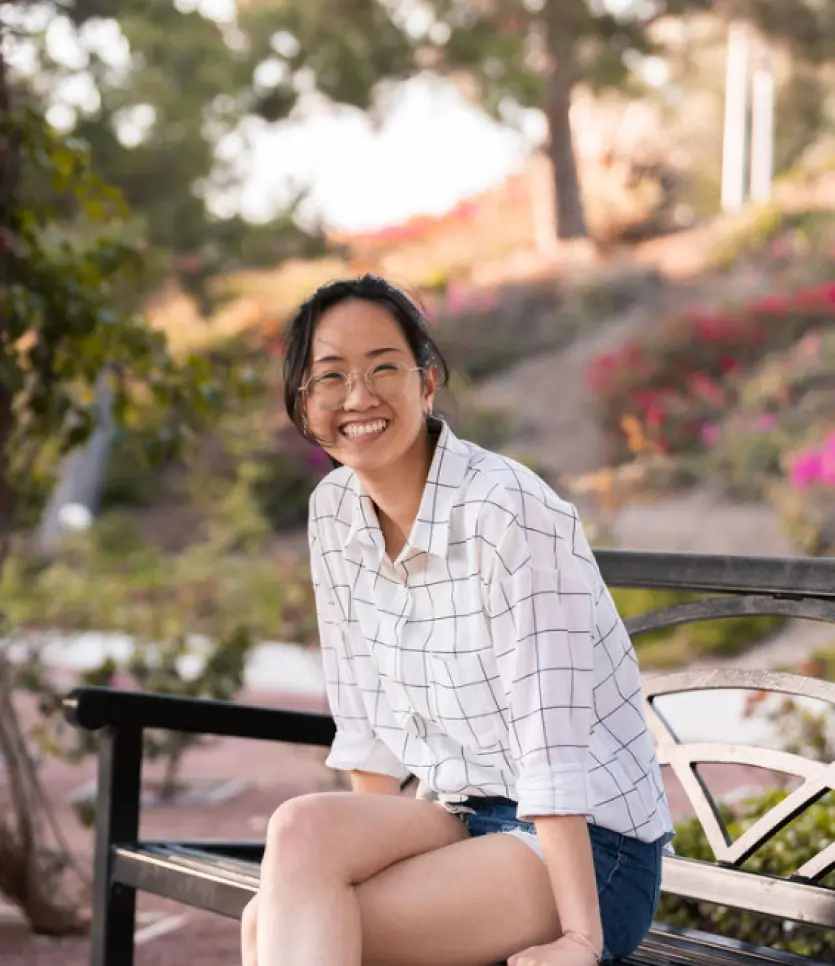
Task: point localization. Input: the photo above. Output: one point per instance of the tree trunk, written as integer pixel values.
(31, 874)
(571, 217)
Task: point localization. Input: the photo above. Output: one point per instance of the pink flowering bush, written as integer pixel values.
(484, 331)
(806, 497)
(680, 379)
(813, 466)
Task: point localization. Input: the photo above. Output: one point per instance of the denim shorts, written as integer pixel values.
(628, 871)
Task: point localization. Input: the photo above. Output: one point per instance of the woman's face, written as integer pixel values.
(370, 432)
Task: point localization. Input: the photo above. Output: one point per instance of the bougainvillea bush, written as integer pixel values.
(806, 496)
(786, 403)
(680, 378)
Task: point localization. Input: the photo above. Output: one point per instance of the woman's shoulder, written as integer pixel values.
(502, 487)
(520, 517)
(332, 496)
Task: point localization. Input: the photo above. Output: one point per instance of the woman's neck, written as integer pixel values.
(398, 492)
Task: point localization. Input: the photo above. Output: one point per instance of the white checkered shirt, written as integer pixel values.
(488, 659)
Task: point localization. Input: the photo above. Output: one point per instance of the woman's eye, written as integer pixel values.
(329, 377)
(386, 367)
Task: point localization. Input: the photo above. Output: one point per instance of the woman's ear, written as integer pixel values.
(430, 383)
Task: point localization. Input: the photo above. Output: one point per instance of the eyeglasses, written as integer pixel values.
(330, 390)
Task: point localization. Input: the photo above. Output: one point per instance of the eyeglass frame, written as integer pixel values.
(349, 379)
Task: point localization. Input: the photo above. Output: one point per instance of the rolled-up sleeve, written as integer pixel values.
(541, 609)
(356, 747)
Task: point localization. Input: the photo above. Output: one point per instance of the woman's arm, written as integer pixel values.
(567, 847)
(541, 610)
(369, 783)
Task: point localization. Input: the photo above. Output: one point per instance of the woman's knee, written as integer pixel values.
(302, 830)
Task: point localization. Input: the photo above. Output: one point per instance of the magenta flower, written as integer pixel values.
(806, 470)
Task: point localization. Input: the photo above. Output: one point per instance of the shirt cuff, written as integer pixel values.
(556, 793)
(353, 752)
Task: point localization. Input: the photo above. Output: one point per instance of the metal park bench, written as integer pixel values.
(222, 876)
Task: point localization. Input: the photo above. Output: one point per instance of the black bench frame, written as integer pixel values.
(222, 876)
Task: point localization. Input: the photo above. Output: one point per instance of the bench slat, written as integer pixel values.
(670, 946)
(164, 873)
(224, 884)
(799, 901)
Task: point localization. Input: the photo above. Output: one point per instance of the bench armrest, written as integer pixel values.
(94, 708)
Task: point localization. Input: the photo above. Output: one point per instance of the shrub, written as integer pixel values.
(676, 646)
(807, 498)
(806, 836)
(777, 239)
(486, 331)
(683, 376)
(787, 400)
(284, 477)
(112, 580)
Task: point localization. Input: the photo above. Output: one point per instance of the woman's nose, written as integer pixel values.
(359, 396)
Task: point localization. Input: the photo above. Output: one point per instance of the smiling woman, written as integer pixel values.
(360, 377)
(467, 638)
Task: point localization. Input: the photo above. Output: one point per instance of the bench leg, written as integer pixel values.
(117, 823)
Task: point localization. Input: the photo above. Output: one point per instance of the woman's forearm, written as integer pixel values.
(567, 848)
(369, 783)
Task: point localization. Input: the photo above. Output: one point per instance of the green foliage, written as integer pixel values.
(218, 675)
(186, 83)
(69, 315)
(490, 428)
(787, 402)
(776, 238)
(113, 580)
(685, 643)
(74, 278)
(192, 619)
(804, 838)
(284, 477)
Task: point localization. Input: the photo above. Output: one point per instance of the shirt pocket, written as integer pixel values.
(465, 698)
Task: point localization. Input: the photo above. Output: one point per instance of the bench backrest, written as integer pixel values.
(789, 587)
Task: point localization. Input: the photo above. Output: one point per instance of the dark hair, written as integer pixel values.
(298, 336)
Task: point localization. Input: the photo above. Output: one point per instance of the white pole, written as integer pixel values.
(736, 117)
(762, 131)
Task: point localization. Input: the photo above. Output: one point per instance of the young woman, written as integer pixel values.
(468, 639)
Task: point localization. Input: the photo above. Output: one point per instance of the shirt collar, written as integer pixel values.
(430, 532)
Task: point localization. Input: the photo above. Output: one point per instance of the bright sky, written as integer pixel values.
(433, 149)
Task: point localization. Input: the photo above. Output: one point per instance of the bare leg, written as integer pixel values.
(249, 925)
(470, 904)
(319, 847)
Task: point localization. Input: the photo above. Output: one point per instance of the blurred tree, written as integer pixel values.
(163, 96)
(511, 54)
(70, 279)
(805, 26)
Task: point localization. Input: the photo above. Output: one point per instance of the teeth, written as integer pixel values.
(365, 429)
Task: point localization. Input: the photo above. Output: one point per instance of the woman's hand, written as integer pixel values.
(564, 952)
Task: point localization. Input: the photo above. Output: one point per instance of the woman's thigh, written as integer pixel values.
(355, 836)
(472, 903)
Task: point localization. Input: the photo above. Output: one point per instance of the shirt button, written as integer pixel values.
(414, 725)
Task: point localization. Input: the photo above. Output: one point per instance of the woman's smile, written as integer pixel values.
(364, 431)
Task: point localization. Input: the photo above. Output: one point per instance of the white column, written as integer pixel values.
(762, 131)
(736, 119)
